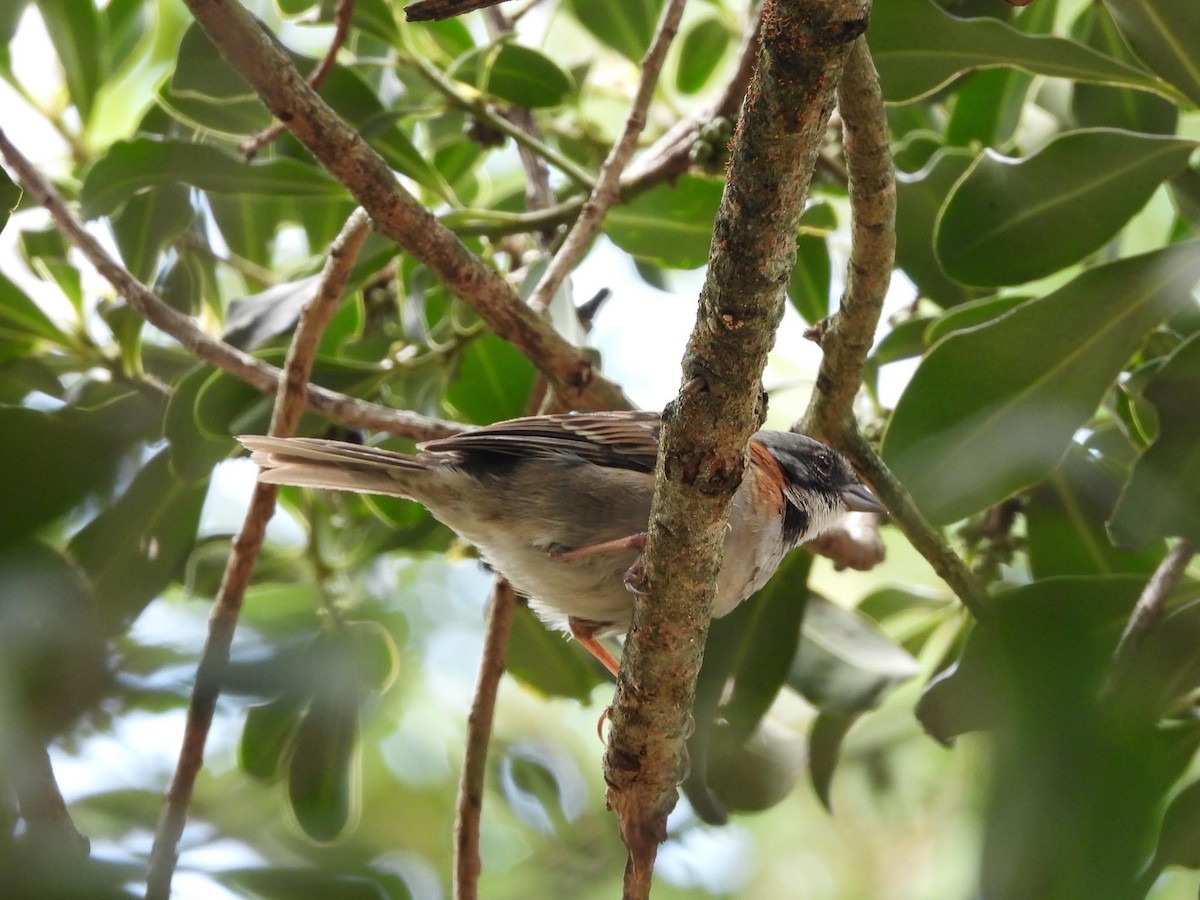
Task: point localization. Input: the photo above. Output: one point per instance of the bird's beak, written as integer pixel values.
(858, 499)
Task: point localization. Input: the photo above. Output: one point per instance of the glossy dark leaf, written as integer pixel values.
(670, 224)
(254, 320)
(520, 75)
(808, 288)
(1161, 32)
(547, 662)
(845, 664)
(824, 747)
(1162, 497)
(130, 166)
(267, 737)
(1097, 105)
(140, 543)
(492, 383)
(148, 223)
(920, 198)
(918, 48)
(970, 314)
(21, 318)
(972, 427)
(1010, 221)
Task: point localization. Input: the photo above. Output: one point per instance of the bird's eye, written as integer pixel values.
(824, 464)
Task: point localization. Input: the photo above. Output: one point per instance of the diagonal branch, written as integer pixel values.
(702, 454)
(289, 405)
(154, 310)
(607, 188)
(259, 59)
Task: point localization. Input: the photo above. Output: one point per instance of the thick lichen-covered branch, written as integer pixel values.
(804, 45)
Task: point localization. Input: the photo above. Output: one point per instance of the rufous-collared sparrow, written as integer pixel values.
(559, 505)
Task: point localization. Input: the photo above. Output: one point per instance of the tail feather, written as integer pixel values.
(334, 465)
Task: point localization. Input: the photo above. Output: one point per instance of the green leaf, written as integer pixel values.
(919, 201)
(988, 105)
(514, 73)
(268, 736)
(1179, 839)
(492, 383)
(76, 30)
(1163, 33)
(991, 410)
(323, 774)
(21, 318)
(808, 288)
(1010, 221)
(10, 196)
(824, 746)
(140, 543)
(624, 25)
(699, 54)
(970, 314)
(1095, 105)
(918, 48)
(131, 166)
(149, 222)
(543, 661)
(670, 224)
(1064, 522)
(846, 664)
(254, 320)
(1162, 497)
(61, 458)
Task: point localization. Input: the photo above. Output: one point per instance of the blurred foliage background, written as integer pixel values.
(1035, 388)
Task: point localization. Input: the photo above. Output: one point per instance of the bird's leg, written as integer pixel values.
(584, 632)
(630, 542)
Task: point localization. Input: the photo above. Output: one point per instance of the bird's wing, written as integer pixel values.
(621, 440)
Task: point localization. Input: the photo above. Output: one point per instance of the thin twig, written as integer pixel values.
(153, 309)
(1148, 611)
(469, 806)
(343, 13)
(289, 406)
(607, 188)
(257, 57)
(927, 540)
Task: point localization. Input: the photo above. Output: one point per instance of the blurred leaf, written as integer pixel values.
(254, 320)
(1065, 518)
(268, 735)
(668, 224)
(323, 776)
(130, 166)
(149, 222)
(1156, 30)
(808, 288)
(60, 457)
(305, 883)
(1179, 839)
(880, 605)
(824, 747)
(136, 546)
(546, 662)
(76, 30)
(10, 195)
(375, 17)
(920, 198)
(972, 428)
(45, 251)
(918, 48)
(1010, 221)
(700, 53)
(492, 383)
(845, 664)
(1162, 497)
(988, 105)
(1097, 105)
(754, 774)
(514, 73)
(624, 25)
(22, 319)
